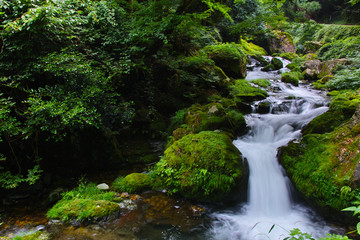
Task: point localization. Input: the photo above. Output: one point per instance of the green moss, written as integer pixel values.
(204, 166)
(345, 101)
(326, 122)
(294, 67)
(39, 235)
(264, 83)
(243, 90)
(268, 67)
(134, 182)
(315, 169)
(322, 166)
(86, 202)
(82, 209)
(252, 49)
(291, 77)
(212, 116)
(230, 57)
(277, 63)
(288, 55)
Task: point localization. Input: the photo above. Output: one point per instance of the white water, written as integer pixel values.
(269, 205)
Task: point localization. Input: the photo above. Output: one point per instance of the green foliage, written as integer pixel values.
(86, 202)
(345, 79)
(204, 166)
(134, 182)
(296, 234)
(356, 211)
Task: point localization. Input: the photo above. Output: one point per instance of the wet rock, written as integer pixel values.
(103, 186)
(281, 42)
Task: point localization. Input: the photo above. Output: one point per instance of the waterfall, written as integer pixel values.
(270, 212)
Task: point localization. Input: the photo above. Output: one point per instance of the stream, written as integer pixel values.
(271, 210)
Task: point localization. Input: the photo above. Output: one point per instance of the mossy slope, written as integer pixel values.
(324, 166)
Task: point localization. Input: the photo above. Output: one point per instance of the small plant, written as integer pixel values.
(356, 211)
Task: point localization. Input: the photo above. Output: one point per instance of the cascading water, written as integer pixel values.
(270, 213)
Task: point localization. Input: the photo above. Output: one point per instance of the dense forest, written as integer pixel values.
(97, 86)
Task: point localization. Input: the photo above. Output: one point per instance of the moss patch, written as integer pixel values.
(204, 166)
(242, 90)
(86, 202)
(264, 83)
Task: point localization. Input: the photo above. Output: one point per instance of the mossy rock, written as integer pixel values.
(251, 49)
(264, 83)
(204, 166)
(243, 91)
(281, 42)
(277, 63)
(84, 203)
(324, 123)
(288, 55)
(133, 183)
(294, 67)
(213, 116)
(264, 107)
(230, 57)
(82, 209)
(346, 101)
(268, 68)
(291, 77)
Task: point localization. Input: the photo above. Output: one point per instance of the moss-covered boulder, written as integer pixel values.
(214, 116)
(133, 183)
(230, 57)
(204, 166)
(292, 77)
(84, 203)
(277, 63)
(242, 90)
(280, 42)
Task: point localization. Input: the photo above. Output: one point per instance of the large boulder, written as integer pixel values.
(214, 116)
(204, 166)
(316, 69)
(281, 42)
(230, 57)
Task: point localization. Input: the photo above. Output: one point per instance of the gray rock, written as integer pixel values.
(103, 186)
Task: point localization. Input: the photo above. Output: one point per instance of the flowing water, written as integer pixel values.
(270, 212)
